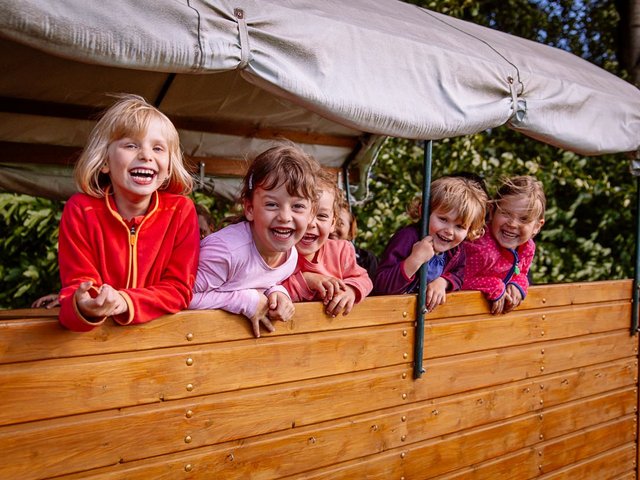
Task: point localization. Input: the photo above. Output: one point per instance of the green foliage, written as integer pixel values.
(28, 248)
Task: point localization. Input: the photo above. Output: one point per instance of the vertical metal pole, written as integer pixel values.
(418, 350)
(345, 183)
(636, 281)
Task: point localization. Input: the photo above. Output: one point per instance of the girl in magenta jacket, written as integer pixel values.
(497, 264)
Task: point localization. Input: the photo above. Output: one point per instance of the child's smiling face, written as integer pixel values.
(321, 225)
(278, 221)
(137, 167)
(511, 223)
(446, 230)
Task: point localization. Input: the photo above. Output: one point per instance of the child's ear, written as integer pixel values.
(104, 168)
(538, 226)
(248, 210)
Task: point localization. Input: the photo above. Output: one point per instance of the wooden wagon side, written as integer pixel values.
(548, 391)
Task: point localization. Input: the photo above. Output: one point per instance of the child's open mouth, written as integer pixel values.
(308, 239)
(282, 233)
(142, 176)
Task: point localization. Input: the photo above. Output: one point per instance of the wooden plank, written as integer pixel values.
(468, 334)
(42, 337)
(521, 465)
(539, 297)
(83, 384)
(582, 413)
(105, 438)
(586, 443)
(459, 373)
(604, 466)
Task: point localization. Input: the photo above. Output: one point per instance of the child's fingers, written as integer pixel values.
(273, 300)
(347, 308)
(267, 323)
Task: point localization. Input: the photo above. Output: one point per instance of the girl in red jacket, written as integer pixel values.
(129, 243)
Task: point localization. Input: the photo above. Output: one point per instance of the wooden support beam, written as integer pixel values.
(220, 126)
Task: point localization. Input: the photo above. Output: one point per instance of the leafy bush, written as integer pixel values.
(29, 249)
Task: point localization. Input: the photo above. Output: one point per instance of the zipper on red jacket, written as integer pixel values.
(133, 238)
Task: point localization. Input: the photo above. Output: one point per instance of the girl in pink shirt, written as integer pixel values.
(242, 265)
(327, 269)
(497, 263)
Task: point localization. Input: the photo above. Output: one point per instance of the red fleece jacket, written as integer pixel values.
(152, 261)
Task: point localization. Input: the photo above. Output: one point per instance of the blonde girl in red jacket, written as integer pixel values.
(129, 243)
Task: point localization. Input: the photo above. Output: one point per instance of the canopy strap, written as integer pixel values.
(519, 105)
(244, 37)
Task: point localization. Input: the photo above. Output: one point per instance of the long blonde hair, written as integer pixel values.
(128, 116)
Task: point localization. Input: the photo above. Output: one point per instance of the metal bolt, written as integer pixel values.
(404, 418)
(403, 438)
(542, 369)
(404, 333)
(189, 414)
(541, 436)
(404, 314)
(541, 416)
(435, 412)
(188, 467)
(544, 317)
(404, 375)
(542, 333)
(189, 336)
(404, 396)
(374, 428)
(544, 300)
(189, 387)
(187, 439)
(542, 351)
(189, 361)
(405, 355)
(312, 440)
(541, 386)
(403, 454)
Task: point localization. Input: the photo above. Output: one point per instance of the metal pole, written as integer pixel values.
(636, 281)
(418, 351)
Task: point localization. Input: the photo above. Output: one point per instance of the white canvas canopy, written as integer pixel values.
(331, 75)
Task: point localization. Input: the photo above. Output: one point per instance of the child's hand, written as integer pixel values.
(421, 252)
(498, 306)
(280, 307)
(324, 285)
(436, 293)
(342, 302)
(48, 301)
(262, 316)
(108, 302)
(514, 298)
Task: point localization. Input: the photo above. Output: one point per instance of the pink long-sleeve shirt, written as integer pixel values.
(336, 258)
(232, 275)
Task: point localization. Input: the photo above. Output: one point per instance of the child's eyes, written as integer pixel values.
(158, 149)
(300, 206)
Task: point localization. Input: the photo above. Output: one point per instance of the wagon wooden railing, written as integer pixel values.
(548, 391)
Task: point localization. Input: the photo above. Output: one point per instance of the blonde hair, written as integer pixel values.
(285, 164)
(463, 194)
(524, 186)
(129, 116)
(328, 182)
